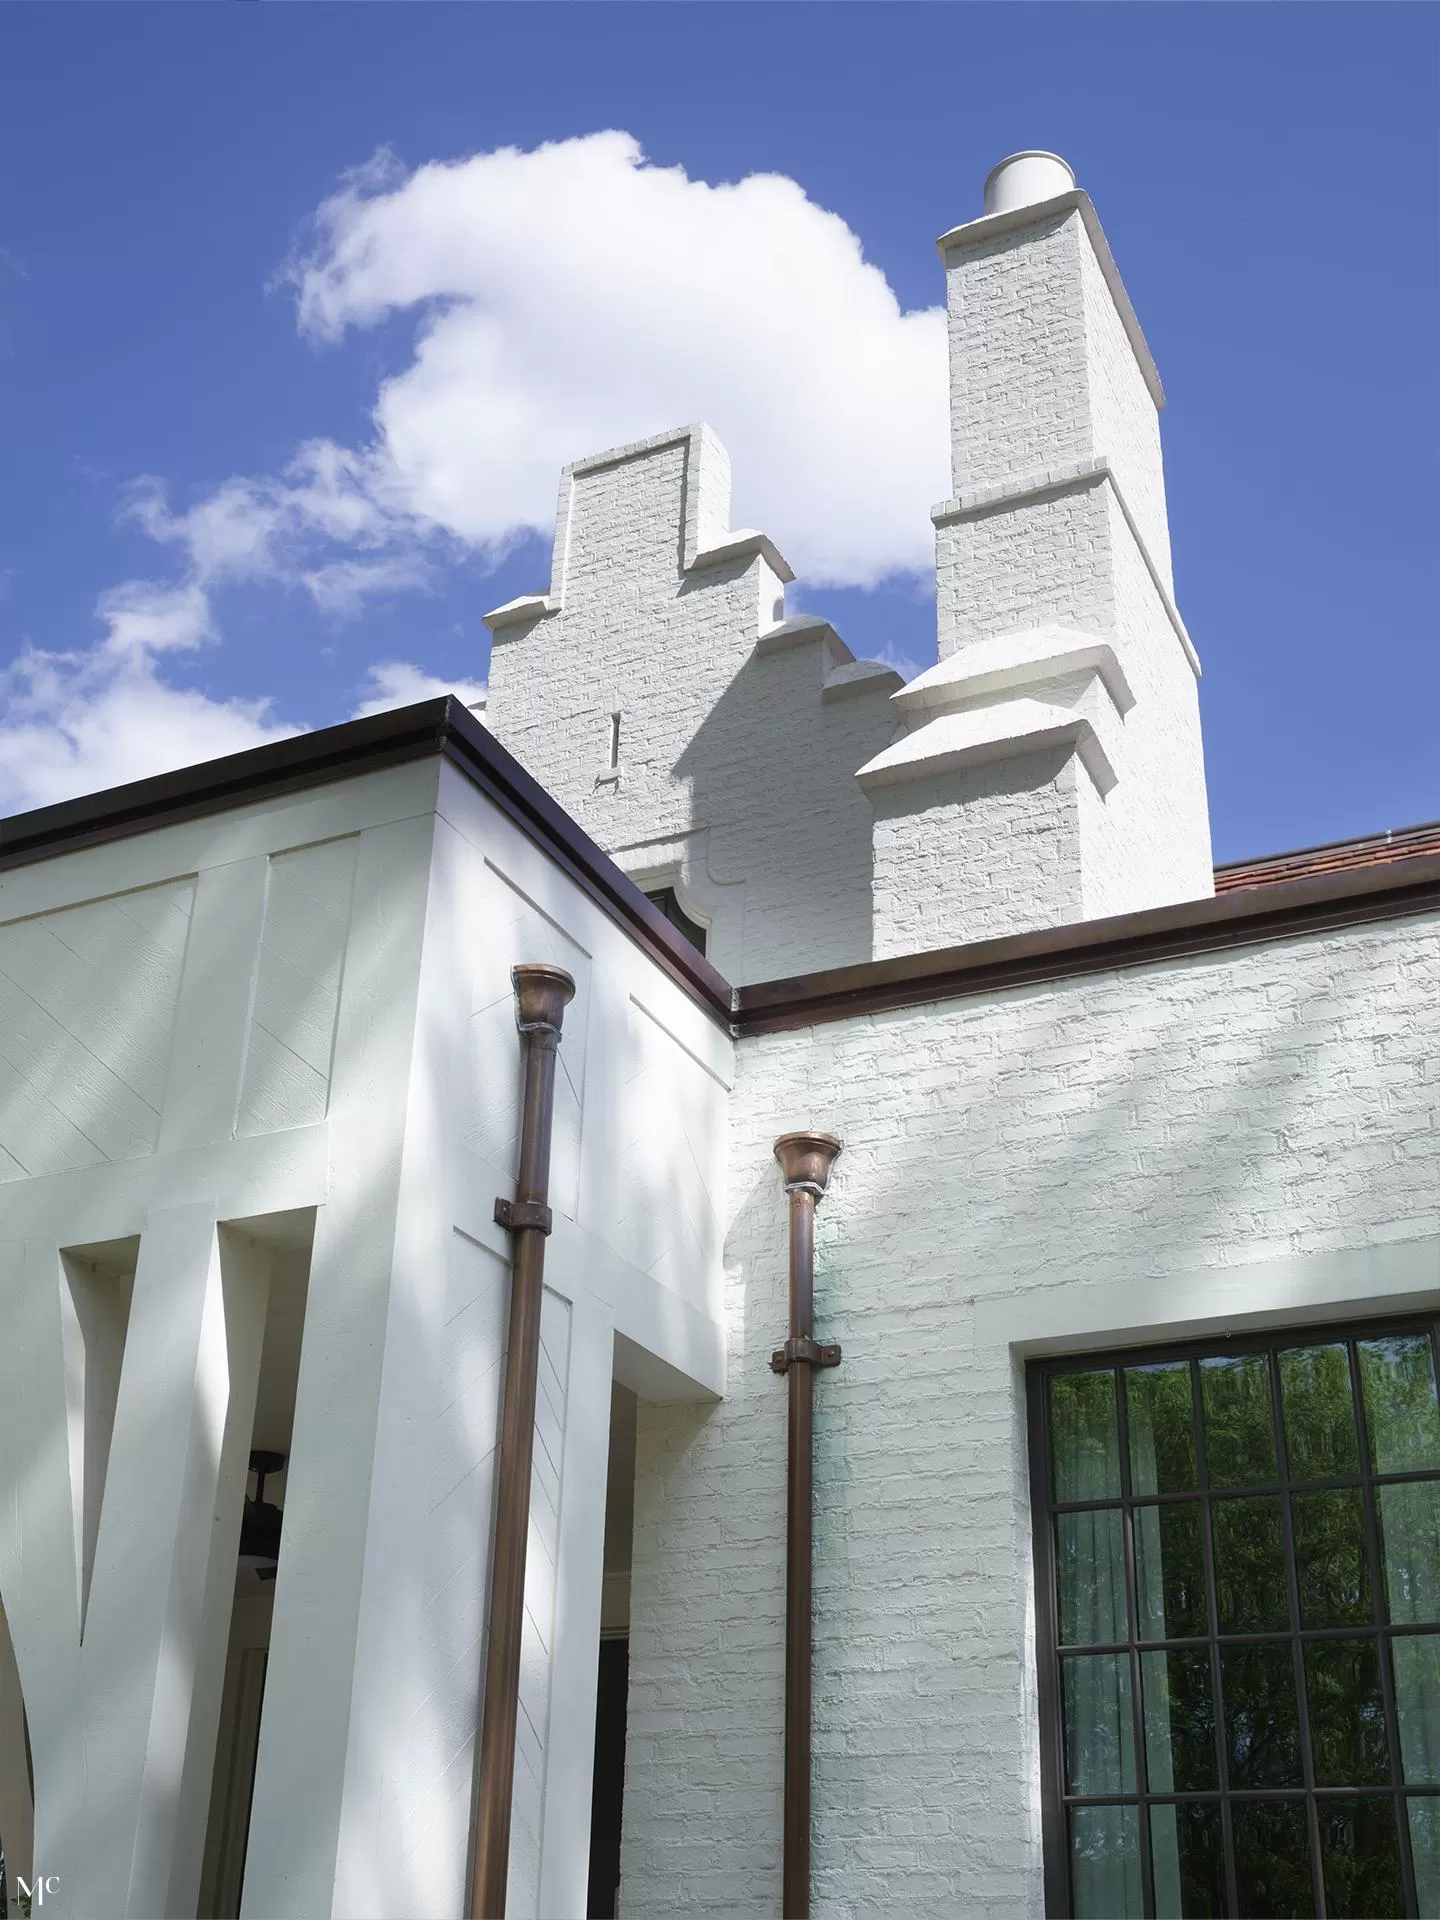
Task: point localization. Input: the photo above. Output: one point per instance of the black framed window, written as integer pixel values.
(1238, 1610)
(668, 901)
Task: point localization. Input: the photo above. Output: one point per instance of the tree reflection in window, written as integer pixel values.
(1238, 1548)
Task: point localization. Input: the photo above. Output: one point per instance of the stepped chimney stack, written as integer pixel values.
(1052, 767)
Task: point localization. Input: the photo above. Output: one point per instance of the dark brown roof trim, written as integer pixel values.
(1358, 881)
(444, 727)
(1245, 917)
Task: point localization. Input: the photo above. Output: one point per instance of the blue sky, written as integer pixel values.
(208, 533)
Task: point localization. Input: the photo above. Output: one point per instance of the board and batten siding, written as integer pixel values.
(212, 1028)
(297, 987)
(87, 1003)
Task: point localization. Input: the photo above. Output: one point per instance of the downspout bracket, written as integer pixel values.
(515, 1214)
(798, 1348)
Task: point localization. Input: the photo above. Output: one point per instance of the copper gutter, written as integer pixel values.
(805, 1161)
(1239, 917)
(1287, 896)
(441, 729)
(541, 996)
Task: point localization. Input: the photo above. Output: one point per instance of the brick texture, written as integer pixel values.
(1145, 1130)
(1059, 517)
(736, 765)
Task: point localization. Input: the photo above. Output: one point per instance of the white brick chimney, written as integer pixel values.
(707, 742)
(1052, 770)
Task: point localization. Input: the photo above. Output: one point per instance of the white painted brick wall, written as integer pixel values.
(978, 853)
(1020, 564)
(1019, 397)
(1067, 556)
(1124, 420)
(1157, 818)
(1042, 371)
(737, 774)
(735, 768)
(1052, 421)
(1140, 1154)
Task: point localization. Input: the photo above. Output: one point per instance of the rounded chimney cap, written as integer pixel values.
(1023, 178)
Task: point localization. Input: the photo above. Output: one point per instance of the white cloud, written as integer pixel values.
(565, 300)
(76, 722)
(398, 683)
(574, 298)
(144, 618)
(341, 587)
(275, 529)
(82, 721)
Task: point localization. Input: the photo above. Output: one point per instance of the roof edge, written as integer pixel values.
(443, 728)
(1286, 907)
(1388, 844)
(1243, 917)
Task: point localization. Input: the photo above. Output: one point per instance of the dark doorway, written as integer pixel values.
(609, 1790)
(614, 1676)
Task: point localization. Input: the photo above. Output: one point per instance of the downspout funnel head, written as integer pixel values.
(806, 1159)
(542, 994)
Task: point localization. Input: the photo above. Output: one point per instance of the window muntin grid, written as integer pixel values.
(1238, 1556)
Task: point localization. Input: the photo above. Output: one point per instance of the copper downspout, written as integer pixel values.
(541, 996)
(805, 1161)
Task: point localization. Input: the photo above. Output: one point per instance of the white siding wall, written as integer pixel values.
(87, 998)
(405, 1746)
(306, 1003)
(297, 987)
(542, 1588)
